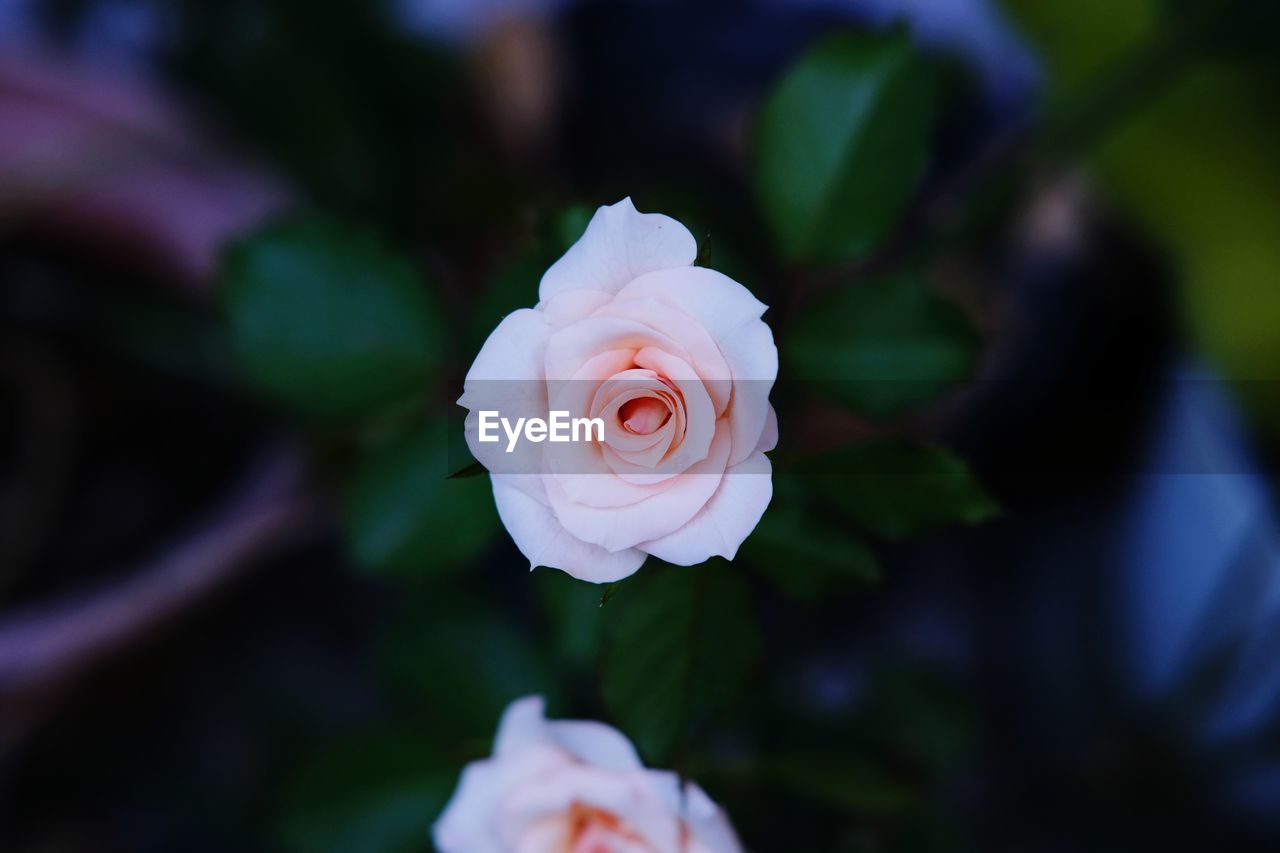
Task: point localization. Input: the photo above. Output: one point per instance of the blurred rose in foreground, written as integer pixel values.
(676, 362)
(109, 160)
(576, 786)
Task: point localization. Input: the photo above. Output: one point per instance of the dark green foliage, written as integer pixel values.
(682, 643)
(882, 347)
(376, 792)
(407, 516)
(807, 557)
(897, 488)
(329, 320)
(841, 145)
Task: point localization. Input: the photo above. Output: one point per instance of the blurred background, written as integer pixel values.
(236, 616)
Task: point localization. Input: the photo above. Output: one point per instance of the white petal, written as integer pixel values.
(596, 743)
(727, 519)
(507, 377)
(709, 828)
(715, 300)
(523, 724)
(620, 244)
(572, 305)
(467, 822)
(769, 436)
(545, 542)
(754, 360)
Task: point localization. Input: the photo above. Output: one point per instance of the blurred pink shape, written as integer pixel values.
(108, 159)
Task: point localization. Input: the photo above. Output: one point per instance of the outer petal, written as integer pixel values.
(545, 542)
(751, 351)
(730, 515)
(769, 436)
(467, 820)
(524, 725)
(715, 300)
(619, 245)
(709, 828)
(507, 377)
(596, 743)
(524, 752)
(572, 305)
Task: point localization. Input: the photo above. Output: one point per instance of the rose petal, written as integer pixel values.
(572, 305)
(524, 724)
(644, 415)
(577, 467)
(506, 377)
(699, 410)
(572, 346)
(545, 542)
(619, 245)
(575, 785)
(587, 475)
(716, 301)
(754, 357)
(725, 522)
(769, 435)
(620, 389)
(709, 827)
(642, 450)
(595, 743)
(618, 528)
(703, 353)
(732, 316)
(648, 820)
(467, 820)
(581, 469)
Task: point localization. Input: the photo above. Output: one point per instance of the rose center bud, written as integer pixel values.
(595, 831)
(643, 415)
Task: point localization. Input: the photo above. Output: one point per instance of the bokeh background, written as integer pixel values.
(228, 624)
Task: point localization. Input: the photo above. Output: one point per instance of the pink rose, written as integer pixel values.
(677, 364)
(575, 786)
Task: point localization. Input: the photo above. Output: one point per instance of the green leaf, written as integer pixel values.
(896, 488)
(576, 619)
(327, 319)
(406, 515)
(884, 346)
(683, 641)
(372, 793)
(459, 664)
(806, 558)
(472, 469)
(841, 145)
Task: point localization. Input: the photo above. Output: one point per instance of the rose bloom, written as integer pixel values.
(575, 786)
(676, 362)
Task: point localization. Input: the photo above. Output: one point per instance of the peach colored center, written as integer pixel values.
(643, 415)
(596, 831)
